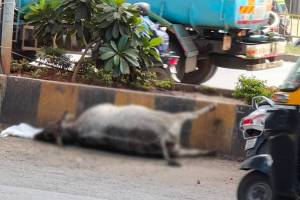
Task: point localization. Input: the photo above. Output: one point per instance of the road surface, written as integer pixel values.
(36, 171)
(227, 78)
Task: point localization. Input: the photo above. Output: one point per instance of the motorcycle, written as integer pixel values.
(167, 68)
(259, 146)
(281, 9)
(256, 184)
(267, 181)
(252, 127)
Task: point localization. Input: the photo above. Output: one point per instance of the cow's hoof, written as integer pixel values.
(59, 142)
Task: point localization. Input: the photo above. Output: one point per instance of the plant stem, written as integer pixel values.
(54, 41)
(78, 65)
(82, 34)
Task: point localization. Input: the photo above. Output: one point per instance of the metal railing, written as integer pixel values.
(290, 22)
(290, 25)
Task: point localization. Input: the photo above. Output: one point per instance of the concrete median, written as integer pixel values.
(42, 102)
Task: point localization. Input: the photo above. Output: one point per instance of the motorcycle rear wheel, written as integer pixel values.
(255, 186)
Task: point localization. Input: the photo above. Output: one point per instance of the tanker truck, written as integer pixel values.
(209, 34)
(225, 33)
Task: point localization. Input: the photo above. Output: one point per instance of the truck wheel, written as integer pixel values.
(205, 71)
(255, 186)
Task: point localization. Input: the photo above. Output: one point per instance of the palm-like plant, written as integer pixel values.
(116, 18)
(46, 18)
(109, 25)
(122, 24)
(148, 50)
(78, 14)
(120, 58)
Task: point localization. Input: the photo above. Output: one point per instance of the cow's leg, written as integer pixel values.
(59, 140)
(181, 152)
(59, 134)
(166, 154)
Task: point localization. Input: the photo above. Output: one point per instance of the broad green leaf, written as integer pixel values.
(133, 56)
(119, 2)
(116, 60)
(42, 3)
(132, 61)
(132, 52)
(104, 24)
(108, 34)
(115, 30)
(109, 65)
(155, 42)
(107, 55)
(105, 49)
(123, 42)
(108, 9)
(114, 46)
(122, 29)
(155, 53)
(124, 67)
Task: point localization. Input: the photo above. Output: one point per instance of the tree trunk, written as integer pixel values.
(78, 65)
(54, 41)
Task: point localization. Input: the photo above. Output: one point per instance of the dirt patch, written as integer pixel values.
(35, 169)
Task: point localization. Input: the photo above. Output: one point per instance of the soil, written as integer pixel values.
(33, 170)
(59, 75)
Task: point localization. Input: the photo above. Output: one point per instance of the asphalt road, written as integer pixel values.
(36, 171)
(227, 78)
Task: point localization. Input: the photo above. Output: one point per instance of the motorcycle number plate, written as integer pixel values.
(250, 143)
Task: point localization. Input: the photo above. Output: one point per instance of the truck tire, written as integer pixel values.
(205, 71)
(255, 185)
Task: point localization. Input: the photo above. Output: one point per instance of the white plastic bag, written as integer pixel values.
(22, 130)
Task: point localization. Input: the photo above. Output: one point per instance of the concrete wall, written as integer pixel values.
(42, 102)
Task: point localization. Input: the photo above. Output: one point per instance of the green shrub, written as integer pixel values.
(46, 18)
(21, 66)
(148, 81)
(165, 84)
(91, 73)
(39, 72)
(106, 77)
(249, 87)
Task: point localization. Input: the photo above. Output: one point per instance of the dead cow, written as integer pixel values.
(131, 128)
